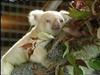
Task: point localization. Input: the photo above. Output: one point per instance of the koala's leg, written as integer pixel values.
(6, 68)
(14, 56)
(40, 56)
(12, 59)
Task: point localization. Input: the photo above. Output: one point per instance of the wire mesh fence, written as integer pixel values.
(14, 22)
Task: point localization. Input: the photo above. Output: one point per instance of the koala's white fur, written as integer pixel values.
(48, 22)
(65, 15)
(34, 16)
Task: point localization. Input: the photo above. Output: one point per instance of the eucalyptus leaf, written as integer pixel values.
(67, 49)
(71, 59)
(95, 63)
(45, 36)
(77, 70)
(61, 72)
(78, 15)
(92, 51)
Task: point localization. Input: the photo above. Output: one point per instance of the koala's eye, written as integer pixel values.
(48, 21)
(61, 20)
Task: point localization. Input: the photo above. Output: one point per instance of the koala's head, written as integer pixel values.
(52, 21)
(48, 21)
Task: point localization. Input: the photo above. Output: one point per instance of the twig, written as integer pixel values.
(89, 27)
(57, 69)
(93, 7)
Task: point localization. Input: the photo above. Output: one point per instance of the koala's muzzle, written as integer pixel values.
(56, 25)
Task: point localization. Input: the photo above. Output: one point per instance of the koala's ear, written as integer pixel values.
(34, 16)
(64, 12)
(65, 15)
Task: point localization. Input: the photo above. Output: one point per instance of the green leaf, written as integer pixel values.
(45, 36)
(77, 70)
(61, 71)
(95, 64)
(78, 15)
(67, 49)
(71, 59)
(92, 51)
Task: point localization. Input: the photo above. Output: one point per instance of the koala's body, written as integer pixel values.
(48, 22)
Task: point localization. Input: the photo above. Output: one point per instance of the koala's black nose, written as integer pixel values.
(56, 25)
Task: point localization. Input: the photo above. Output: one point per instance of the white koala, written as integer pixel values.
(48, 24)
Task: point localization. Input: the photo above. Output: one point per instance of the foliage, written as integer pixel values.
(77, 70)
(78, 15)
(95, 63)
(80, 36)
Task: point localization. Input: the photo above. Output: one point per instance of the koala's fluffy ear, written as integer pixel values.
(34, 16)
(65, 15)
